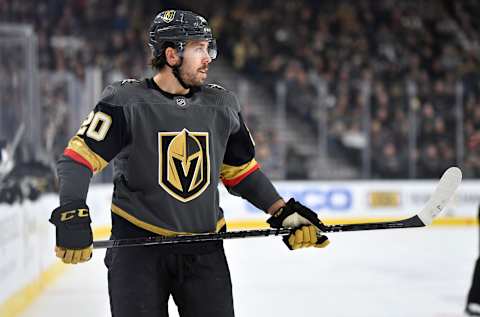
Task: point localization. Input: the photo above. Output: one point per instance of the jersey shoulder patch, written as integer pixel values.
(123, 92)
(222, 97)
(129, 81)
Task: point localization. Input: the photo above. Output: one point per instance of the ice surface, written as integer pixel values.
(391, 273)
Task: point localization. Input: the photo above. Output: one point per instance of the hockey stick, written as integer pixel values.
(443, 193)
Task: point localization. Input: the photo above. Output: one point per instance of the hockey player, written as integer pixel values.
(472, 307)
(171, 139)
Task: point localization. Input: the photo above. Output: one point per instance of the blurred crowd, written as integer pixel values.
(411, 67)
(407, 65)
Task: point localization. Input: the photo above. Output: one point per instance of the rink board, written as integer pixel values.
(334, 201)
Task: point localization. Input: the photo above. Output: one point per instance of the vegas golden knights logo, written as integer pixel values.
(184, 165)
(167, 16)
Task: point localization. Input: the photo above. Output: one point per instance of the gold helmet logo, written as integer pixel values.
(184, 169)
(168, 16)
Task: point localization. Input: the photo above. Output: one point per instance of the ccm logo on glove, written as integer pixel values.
(67, 215)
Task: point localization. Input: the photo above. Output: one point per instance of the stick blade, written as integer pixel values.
(446, 187)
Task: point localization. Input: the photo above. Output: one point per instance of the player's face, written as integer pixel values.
(194, 68)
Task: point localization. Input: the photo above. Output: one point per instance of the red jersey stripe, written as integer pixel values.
(235, 181)
(78, 158)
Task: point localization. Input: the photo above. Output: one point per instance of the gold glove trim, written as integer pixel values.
(73, 256)
(305, 237)
(323, 244)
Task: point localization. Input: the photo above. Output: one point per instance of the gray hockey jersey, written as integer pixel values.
(169, 153)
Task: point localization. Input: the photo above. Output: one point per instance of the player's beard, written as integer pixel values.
(194, 78)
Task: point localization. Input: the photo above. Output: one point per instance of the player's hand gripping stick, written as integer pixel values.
(303, 222)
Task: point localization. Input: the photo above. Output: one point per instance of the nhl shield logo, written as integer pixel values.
(184, 165)
(181, 101)
(168, 16)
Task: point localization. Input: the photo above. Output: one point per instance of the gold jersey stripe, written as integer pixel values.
(220, 224)
(78, 145)
(229, 172)
(152, 228)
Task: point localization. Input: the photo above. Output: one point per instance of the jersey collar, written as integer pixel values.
(153, 85)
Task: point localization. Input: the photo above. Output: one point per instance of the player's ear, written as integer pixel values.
(172, 56)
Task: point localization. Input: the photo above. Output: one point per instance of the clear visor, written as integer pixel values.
(212, 49)
(202, 51)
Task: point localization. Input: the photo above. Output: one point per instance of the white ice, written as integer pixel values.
(388, 273)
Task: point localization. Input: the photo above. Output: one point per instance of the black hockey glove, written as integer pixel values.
(73, 232)
(301, 219)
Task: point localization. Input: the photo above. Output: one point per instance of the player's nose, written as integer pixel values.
(207, 59)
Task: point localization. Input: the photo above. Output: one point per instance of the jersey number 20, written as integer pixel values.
(96, 125)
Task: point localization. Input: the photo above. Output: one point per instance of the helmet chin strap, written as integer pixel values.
(176, 73)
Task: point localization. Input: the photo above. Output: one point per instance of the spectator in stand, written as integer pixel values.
(389, 162)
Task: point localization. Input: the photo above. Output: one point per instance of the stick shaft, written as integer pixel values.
(201, 237)
(448, 183)
(406, 223)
